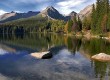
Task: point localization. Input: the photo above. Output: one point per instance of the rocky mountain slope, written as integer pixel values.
(52, 13)
(85, 12)
(14, 16)
(7, 15)
(73, 13)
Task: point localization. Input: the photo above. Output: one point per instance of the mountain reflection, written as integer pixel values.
(71, 55)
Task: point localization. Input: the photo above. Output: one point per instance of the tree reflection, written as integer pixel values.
(96, 46)
(73, 43)
(44, 42)
(102, 69)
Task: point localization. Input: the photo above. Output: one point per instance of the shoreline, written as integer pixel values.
(88, 35)
(85, 34)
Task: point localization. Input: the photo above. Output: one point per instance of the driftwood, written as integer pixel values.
(101, 57)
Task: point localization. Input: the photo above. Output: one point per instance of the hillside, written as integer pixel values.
(14, 16)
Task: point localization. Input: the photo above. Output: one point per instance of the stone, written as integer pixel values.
(101, 57)
(47, 56)
(39, 55)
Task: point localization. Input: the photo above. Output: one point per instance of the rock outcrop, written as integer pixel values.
(71, 15)
(85, 12)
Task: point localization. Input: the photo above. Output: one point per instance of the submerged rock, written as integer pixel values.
(101, 57)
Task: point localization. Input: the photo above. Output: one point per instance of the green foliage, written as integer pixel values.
(93, 19)
(79, 22)
(73, 25)
(35, 24)
(70, 24)
(108, 23)
(86, 23)
(57, 25)
(100, 17)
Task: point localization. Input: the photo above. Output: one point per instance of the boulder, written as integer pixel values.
(39, 55)
(47, 56)
(101, 57)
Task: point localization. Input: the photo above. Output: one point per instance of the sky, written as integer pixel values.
(63, 6)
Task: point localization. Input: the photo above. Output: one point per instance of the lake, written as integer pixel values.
(71, 58)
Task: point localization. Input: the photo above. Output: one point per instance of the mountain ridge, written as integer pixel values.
(14, 16)
(50, 12)
(53, 14)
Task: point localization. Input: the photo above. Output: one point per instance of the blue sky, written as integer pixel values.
(63, 6)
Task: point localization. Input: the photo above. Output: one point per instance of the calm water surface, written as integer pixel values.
(71, 58)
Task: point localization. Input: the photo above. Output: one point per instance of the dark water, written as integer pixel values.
(71, 58)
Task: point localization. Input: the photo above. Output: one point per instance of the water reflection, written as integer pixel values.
(29, 68)
(71, 58)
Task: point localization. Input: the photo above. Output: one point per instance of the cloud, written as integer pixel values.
(18, 11)
(42, 0)
(2, 12)
(70, 3)
(67, 6)
(32, 1)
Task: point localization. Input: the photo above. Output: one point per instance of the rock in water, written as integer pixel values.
(47, 56)
(39, 55)
(101, 57)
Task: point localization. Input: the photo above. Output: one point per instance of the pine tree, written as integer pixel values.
(79, 24)
(100, 17)
(93, 19)
(108, 14)
(70, 24)
(66, 28)
(108, 22)
(75, 24)
(86, 23)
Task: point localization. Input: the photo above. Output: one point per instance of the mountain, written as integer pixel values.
(14, 16)
(85, 12)
(52, 13)
(7, 15)
(71, 16)
(49, 13)
(73, 13)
